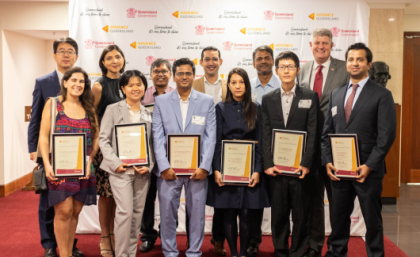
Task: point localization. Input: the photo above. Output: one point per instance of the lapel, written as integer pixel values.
(277, 102)
(342, 96)
(307, 73)
(191, 107)
(123, 109)
(200, 85)
(328, 82)
(367, 91)
(177, 108)
(54, 80)
(295, 103)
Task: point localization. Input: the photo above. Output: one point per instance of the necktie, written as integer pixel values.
(349, 103)
(318, 81)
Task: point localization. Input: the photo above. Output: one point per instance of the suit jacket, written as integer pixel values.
(47, 86)
(373, 119)
(198, 85)
(167, 119)
(301, 119)
(118, 114)
(336, 77)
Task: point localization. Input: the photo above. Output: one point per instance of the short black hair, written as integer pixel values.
(287, 55)
(183, 61)
(263, 48)
(210, 48)
(158, 62)
(126, 76)
(104, 52)
(361, 46)
(67, 40)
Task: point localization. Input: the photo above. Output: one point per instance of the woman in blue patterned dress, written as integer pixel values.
(75, 114)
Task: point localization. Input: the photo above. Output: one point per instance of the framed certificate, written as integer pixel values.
(132, 146)
(184, 152)
(345, 155)
(288, 147)
(150, 106)
(69, 154)
(237, 162)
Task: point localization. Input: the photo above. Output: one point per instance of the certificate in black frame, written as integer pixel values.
(184, 171)
(340, 173)
(132, 162)
(73, 172)
(235, 180)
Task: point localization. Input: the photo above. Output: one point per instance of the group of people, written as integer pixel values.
(324, 96)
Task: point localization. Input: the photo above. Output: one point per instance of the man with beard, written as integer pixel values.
(160, 72)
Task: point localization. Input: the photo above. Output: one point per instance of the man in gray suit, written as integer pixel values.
(323, 75)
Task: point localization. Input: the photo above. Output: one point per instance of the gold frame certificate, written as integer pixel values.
(237, 162)
(345, 155)
(132, 146)
(184, 151)
(69, 154)
(287, 148)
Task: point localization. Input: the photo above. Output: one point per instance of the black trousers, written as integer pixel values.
(369, 194)
(256, 227)
(217, 229)
(317, 236)
(148, 222)
(295, 195)
(46, 222)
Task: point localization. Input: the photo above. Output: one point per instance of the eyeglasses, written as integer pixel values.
(290, 68)
(69, 53)
(163, 72)
(181, 74)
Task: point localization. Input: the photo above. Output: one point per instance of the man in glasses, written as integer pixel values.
(160, 72)
(65, 55)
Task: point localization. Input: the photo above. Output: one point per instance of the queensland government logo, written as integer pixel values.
(344, 32)
(158, 29)
(117, 29)
(193, 45)
(323, 16)
(187, 14)
(90, 44)
(229, 46)
(255, 31)
(94, 12)
(201, 30)
(145, 45)
(150, 59)
(269, 15)
(229, 14)
(298, 32)
(133, 13)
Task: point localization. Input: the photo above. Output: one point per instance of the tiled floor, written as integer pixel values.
(402, 221)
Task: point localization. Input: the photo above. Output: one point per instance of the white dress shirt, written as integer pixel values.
(184, 109)
(286, 102)
(60, 76)
(358, 91)
(213, 89)
(324, 73)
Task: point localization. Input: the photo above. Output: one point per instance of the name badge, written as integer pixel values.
(334, 111)
(198, 120)
(306, 104)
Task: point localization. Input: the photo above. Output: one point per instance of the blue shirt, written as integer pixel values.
(258, 90)
(358, 91)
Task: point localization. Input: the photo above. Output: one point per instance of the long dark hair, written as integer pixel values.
(104, 52)
(86, 98)
(249, 108)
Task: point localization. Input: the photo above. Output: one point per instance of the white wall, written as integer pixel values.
(411, 22)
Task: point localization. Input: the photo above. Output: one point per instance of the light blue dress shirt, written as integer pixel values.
(358, 90)
(258, 90)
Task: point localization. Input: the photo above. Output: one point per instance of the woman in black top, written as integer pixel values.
(106, 91)
(238, 118)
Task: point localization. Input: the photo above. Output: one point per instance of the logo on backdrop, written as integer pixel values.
(187, 14)
(283, 47)
(163, 30)
(150, 59)
(90, 44)
(229, 46)
(255, 31)
(232, 15)
(268, 15)
(145, 45)
(344, 32)
(323, 17)
(131, 13)
(298, 32)
(94, 12)
(335, 31)
(93, 76)
(245, 62)
(117, 29)
(200, 30)
(194, 45)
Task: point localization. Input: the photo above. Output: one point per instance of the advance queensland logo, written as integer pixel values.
(255, 31)
(269, 15)
(117, 29)
(145, 45)
(187, 14)
(90, 44)
(201, 30)
(283, 47)
(323, 17)
(133, 13)
(229, 46)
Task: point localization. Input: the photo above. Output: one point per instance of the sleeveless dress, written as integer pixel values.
(83, 190)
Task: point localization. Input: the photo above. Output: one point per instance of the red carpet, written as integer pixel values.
(20, 236)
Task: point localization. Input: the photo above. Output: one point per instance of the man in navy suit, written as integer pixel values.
(65, 55)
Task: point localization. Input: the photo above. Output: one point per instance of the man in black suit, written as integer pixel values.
(323, 75)
(292, 108)
(367, 109)
(65, 55)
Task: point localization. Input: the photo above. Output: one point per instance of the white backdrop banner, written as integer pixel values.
(146, 30)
